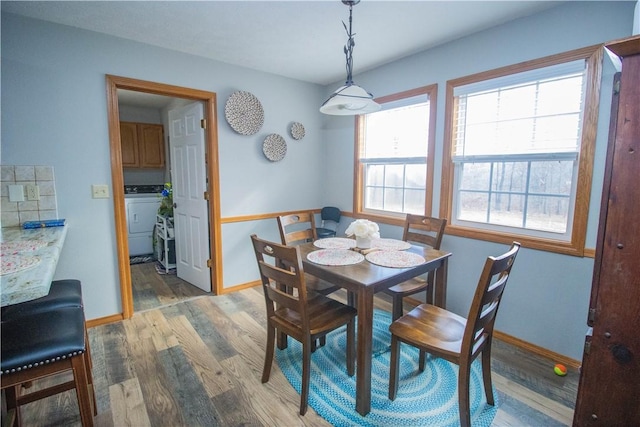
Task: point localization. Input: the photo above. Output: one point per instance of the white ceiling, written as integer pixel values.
(298, 39)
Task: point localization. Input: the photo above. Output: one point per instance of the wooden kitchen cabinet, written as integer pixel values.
(142, 145)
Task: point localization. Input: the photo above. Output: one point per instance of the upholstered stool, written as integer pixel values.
(62, 293)
(41, 344)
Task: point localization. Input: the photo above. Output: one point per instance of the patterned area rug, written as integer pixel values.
(429, 398)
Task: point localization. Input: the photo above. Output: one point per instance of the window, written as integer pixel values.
(519, 152)
(394, 172)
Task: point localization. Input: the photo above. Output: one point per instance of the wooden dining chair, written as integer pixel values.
(423, 230)
(301, 315)
(299, 228)
(445, 334)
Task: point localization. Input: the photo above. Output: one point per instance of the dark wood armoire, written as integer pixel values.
(609, 388)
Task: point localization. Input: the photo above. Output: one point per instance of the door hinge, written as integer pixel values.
(209, 263)
(592, 316)
(203, 123)
(206, 195)
(587, 347)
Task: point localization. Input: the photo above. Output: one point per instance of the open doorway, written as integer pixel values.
(126, 87)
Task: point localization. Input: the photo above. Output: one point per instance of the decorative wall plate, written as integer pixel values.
(274, 147)
(244, 113)
(297, 131)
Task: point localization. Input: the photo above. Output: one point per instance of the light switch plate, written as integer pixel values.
(16, 193)
(100, 191)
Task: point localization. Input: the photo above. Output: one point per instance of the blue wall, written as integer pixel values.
(54, 113)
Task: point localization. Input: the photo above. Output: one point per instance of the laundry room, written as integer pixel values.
(148, 197)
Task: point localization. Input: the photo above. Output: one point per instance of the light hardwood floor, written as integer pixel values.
(199, 362)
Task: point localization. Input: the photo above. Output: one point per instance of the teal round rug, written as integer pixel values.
(428, 398)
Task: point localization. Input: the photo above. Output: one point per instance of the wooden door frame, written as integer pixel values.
(117, 177)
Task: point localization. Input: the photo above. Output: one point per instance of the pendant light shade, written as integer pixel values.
(350, 99)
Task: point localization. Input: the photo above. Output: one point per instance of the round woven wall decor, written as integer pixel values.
(244, 113)
(297, 131)
(274, 147)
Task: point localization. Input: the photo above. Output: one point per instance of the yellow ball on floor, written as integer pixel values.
(560, 370)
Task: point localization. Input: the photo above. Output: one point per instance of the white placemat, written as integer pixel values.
(390, 244)
(396, 259)
(335, 257)
(9, 248)
(335, 243)
(14, 263)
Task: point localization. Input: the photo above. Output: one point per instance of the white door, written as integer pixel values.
(189, 181)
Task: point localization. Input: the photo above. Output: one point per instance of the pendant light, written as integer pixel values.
(350, 99)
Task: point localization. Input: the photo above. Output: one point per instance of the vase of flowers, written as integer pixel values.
(364, 230)
(166, 204)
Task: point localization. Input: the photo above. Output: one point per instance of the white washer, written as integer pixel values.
(141, 218)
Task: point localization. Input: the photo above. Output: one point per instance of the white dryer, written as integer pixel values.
(141, 218)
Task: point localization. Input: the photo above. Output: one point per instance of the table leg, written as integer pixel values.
(365, 338)
(441, 284)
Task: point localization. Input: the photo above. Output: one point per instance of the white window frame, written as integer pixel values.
(572, 241)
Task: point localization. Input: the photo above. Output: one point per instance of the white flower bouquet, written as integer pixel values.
(364, 230)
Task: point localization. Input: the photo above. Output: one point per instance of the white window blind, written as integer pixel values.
(533, 113)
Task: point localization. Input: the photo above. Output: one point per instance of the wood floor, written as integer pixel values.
(152, 290)
(198, 362)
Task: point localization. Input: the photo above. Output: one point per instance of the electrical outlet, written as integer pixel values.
(33, 192)
(100, 191)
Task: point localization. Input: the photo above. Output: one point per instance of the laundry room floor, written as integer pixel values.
(152, 290)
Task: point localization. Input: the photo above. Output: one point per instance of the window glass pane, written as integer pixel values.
(374, 198)
(548, 213)
(394, 176)
(551, 177)
(475, 176)
(393, 199)
(510, 176)
(374, 175)
(506, 210)
(415, 176)
(399, 132)
(473, 206)
(414, 201)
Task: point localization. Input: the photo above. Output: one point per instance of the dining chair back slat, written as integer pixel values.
(297, 228)
(424, 230)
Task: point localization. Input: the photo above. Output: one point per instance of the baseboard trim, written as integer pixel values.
(540, 351)
(104, 320)
(240, 287)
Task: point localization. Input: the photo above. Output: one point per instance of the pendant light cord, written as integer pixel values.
(348, 48)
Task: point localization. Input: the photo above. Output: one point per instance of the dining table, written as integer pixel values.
(364, 279)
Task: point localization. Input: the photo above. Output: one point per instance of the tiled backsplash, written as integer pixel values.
(15, 213)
